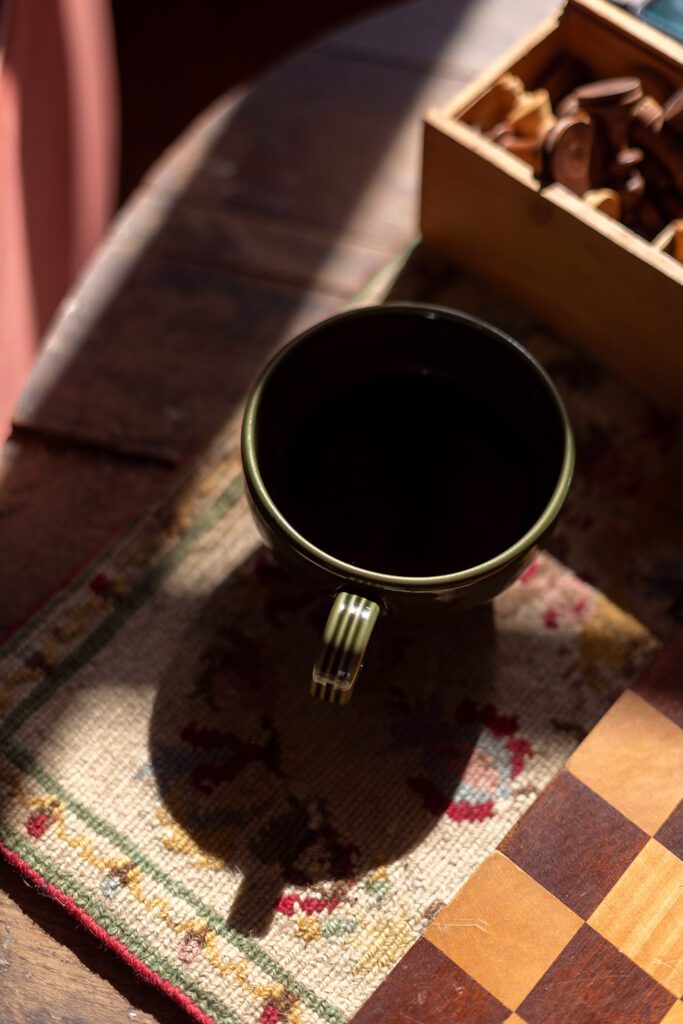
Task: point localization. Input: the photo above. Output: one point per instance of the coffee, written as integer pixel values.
(412, 474)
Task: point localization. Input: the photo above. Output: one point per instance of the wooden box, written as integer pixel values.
(578, 271)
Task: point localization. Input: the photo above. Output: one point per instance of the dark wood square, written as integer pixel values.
(662, 683)
(574, 843)
(671, 832)
(593, 983)
(428, 988)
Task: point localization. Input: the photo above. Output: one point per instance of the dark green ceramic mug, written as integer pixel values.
(406, 458)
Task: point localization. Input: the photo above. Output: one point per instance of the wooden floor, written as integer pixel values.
(269, 213)
(172, 62)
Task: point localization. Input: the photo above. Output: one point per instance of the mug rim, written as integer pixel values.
(323, 558)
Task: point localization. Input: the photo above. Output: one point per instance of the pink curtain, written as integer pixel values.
(58, 163)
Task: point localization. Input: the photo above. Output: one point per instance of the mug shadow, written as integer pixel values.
(293, 792)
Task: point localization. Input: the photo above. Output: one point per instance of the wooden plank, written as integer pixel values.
(451, 37)
(347, 162)
(150, 356)
(250, 243)
(58, 507)
(169, 68)
(54, 972)
(155, 365)
(180, 162)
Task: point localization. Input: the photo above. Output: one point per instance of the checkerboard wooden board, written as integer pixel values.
(577, 918)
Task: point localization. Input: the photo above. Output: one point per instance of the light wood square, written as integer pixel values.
(633, 758)
(504, 929)
(675, 1015)
(642, 915)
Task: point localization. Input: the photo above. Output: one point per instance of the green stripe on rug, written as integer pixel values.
(28, 764)
(119, 616)
(112, 923)
(15, 639)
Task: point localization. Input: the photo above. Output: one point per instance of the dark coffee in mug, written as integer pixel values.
(412, 457)
(408, 473)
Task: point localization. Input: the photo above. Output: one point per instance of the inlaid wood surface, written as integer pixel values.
(577, 918)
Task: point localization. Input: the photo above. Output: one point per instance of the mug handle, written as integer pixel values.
(347, 632)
